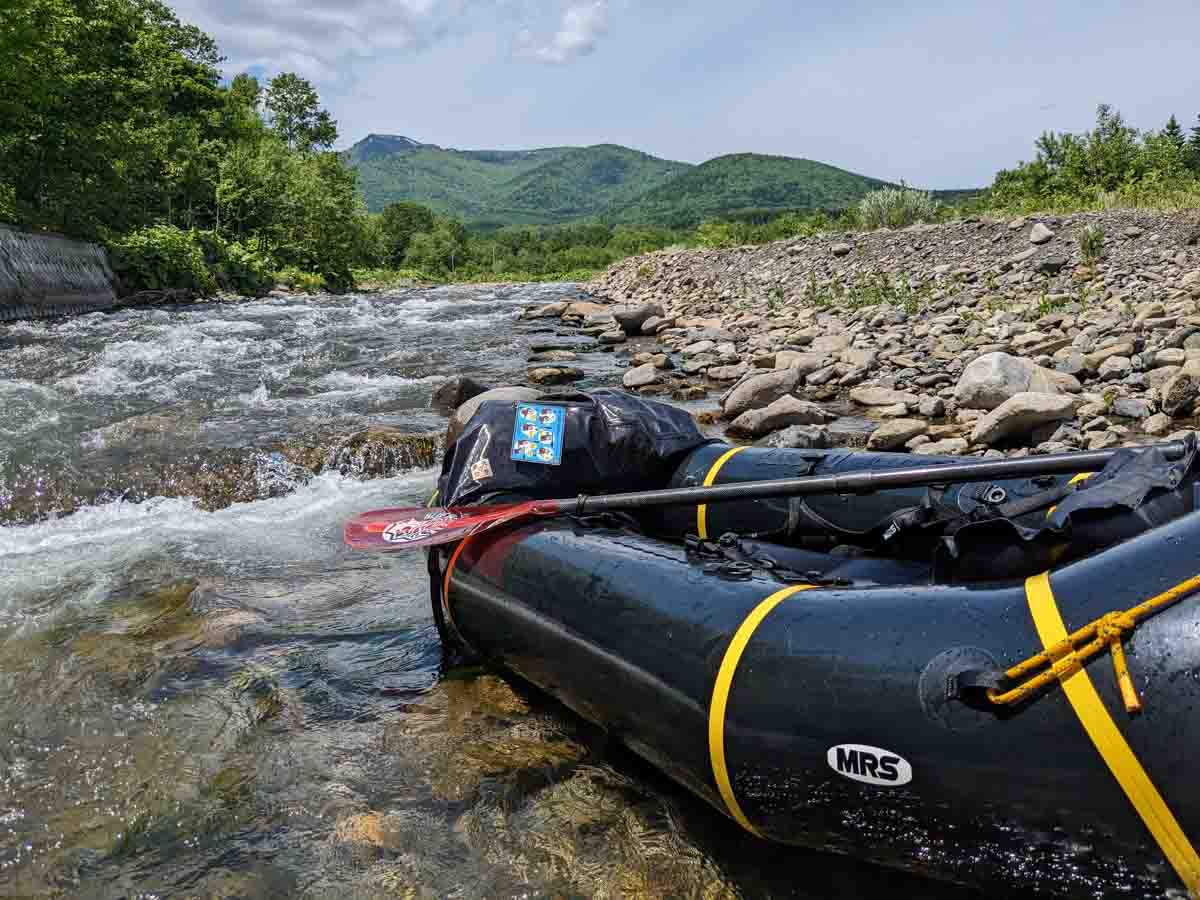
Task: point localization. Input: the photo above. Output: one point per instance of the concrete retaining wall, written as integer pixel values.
(45, 275)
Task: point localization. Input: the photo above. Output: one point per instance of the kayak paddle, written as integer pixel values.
(412, 527)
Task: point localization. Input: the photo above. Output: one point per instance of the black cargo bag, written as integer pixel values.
(612, 442)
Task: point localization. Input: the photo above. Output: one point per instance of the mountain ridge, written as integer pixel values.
(602, 182)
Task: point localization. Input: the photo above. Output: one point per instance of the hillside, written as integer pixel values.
(729, 185)
(605, 182)
(585, 183)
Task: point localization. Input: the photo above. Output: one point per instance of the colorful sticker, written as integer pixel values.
(538, 436)
(482, 470)
(408, 530)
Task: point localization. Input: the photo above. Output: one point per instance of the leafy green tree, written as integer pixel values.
(400, 221)
(440, 250)
(294, 110)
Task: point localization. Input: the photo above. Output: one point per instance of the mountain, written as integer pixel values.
(605, 182)
(744, 182)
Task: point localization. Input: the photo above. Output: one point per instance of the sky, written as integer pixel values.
(938, 94)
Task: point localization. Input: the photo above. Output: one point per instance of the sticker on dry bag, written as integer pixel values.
(538, 434)
(482, 470)
(870, 765)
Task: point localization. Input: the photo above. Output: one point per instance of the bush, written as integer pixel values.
(305, 282)
(236, 268)
(161, 257)
(1091, 243)
(896, 208)
(8, 203)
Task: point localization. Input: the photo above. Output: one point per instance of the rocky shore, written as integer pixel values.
(976, 337)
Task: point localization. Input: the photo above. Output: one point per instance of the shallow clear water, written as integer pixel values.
(229, 703)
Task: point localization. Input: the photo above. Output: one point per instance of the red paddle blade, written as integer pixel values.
(407, 529)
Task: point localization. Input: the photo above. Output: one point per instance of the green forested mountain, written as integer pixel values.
(744, 182)
(605, 182)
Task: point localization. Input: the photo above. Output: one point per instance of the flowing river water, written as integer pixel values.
(204, 694)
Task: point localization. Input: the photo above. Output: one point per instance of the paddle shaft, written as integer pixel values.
(859, 482)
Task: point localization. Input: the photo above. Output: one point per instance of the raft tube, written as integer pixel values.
(824, 714)
(824, 519)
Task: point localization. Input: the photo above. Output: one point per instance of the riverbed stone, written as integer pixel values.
(1133, 407)
(631, 316)
(1040, 234)
(796, 437)
(1178, 396)
(1020, 414)
(454, 392)
(549, 311)
(881, 396)
(944, 447)
(760, 390)
(991, 379)
(642, 376)
(896, 433)
(554, 374)
(785, 411)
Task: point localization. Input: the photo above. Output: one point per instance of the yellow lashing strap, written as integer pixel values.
(722, 686)
(1067, 655)
(1103, 732)
(702, 509)
(1082, 476)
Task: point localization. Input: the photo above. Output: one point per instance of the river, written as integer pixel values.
(210, 696)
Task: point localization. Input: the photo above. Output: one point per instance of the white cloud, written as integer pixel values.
(582, 24)
(324, 39)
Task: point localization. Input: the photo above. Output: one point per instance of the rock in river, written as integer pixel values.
(781, 413)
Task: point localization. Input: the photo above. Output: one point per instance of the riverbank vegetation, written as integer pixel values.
(116, 126)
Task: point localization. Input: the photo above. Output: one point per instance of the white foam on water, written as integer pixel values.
(78, 558)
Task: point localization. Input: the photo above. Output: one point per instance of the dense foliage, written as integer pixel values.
(728, 185)
(114, 125)
(1113, 164)
(607, 182)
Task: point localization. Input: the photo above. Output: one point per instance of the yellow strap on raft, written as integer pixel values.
(702, 509)
(1064, 656)
(722, 686)
(1103, 731)
(1082, 476)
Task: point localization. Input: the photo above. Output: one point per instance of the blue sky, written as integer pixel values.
(940, 95)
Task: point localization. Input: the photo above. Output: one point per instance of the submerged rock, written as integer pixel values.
(454, 392)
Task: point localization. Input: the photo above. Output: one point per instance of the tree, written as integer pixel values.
(400, 221)
(438, 251)
(1194, 148)
(1174, 133)
(294, 110)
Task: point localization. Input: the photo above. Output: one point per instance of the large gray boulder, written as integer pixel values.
(781, 413)
(463, 414)
(1020, 414)
(631, 316)
(993, 378)
(759, 390)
